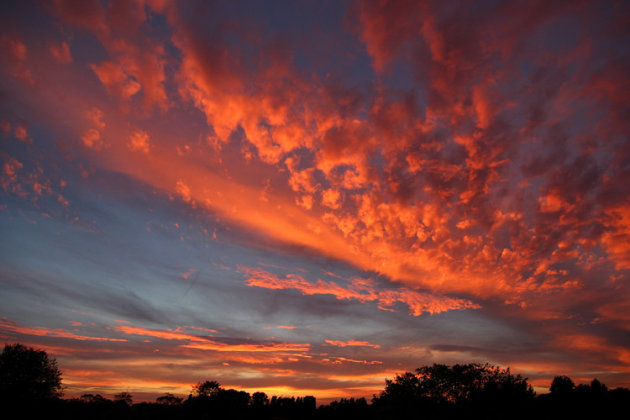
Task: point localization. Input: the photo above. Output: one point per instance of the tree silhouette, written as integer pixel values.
(124, 397)
(443, 383)
(206, 389)
(475, 389)
(561, 385)
(598, 388)
(93, 399)
(470, 391)
(28, 374)
(259, 399)
(169, 399)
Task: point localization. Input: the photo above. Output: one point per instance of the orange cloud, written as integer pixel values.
(92, 139)
(205, 343)
(427, 215)
(116, 80)
(341, 360)
(359, 289)
(139, 141)
(268, 347)
(351, 343)
(167, 335)
(13, 328)
(617, 239)
(595, 344)
(339, 206)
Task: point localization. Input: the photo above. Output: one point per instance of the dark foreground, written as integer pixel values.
(31, 388)
(437, 392)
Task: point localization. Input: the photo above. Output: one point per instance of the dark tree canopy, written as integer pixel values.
(436, 392)
(452, 384)
(30, 381)
(125, 398)
(28, 374)
(207, 388)
(259, 399)
(169, 399)
(561, 385)
(441, 391)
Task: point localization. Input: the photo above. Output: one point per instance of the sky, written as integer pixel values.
(309, 197)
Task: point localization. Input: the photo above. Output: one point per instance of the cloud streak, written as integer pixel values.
(361, 290)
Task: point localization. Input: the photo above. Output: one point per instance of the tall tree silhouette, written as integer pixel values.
(27, 374)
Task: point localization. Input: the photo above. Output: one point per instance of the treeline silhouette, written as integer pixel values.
(31, 387)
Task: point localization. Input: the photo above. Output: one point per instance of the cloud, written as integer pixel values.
(14, 54)
(10, 327)
(167, 335)
(286, 327)
(135, 65)
(116, 80)
(22, 135)
(359, 289)
(432, 189)
(61, 52)
(139, 141)
(351, 343)
(206, 343)
(92, 139)
(617, 239)
(10, 174)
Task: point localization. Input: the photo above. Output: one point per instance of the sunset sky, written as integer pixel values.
(308, 197)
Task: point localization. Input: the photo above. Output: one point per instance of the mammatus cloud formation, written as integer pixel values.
(416, 161)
